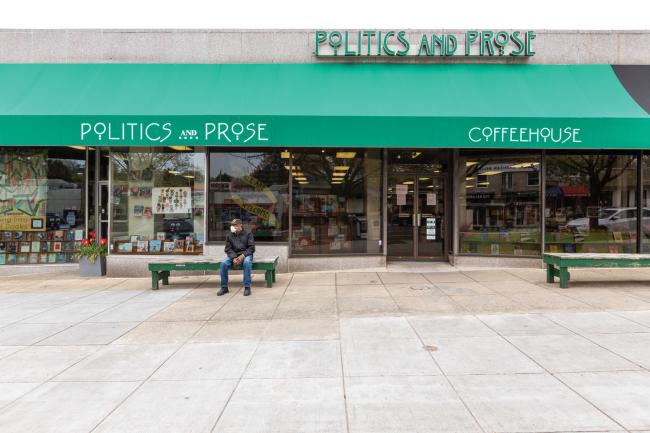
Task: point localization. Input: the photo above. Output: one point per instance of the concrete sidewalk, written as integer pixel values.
(411, 348)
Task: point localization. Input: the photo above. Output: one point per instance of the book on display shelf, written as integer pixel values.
(125, 247)
(155, 246)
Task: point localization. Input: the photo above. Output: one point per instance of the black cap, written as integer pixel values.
(235, 222)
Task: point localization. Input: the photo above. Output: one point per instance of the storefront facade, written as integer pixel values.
(468, 147)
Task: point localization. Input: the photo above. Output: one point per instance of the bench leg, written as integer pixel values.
(154, 280)
(564, 278)
(268, 276)
(165, 277)
(273, 273)
(550, 273)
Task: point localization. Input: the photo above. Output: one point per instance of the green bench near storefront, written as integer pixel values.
(558, 264)
(161, 269)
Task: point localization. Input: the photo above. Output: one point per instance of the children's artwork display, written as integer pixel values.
(171, 200)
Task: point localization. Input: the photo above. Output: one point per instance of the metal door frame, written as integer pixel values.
(98, 204)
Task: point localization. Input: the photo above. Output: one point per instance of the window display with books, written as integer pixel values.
(499, 206)
(41, 205)
(336, 202)
(157, 201)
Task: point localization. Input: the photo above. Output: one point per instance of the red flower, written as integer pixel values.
(103, 241)
(85, 242)
(91, 234)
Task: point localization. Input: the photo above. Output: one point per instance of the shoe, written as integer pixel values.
(223, 291)
(247, 291)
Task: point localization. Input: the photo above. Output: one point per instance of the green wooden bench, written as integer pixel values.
(558, 264)
(161, 268)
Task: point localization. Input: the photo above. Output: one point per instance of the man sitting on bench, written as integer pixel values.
(240, 247)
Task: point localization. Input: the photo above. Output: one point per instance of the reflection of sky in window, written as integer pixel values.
(234, 164)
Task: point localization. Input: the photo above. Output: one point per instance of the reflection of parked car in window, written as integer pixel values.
(178, 228)
(611, 219)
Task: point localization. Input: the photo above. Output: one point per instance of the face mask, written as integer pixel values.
(233, 229)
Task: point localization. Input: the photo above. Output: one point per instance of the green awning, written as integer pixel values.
(348, 105)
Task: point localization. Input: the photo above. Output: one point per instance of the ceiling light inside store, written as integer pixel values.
(346, 155)
(303, 182)
(292, 167)
(423, 178)
(285, 155)
(342, 167)
(336, 183)
(415, 155)
(408, 182)
(173, 172)
(338, 174)
(300, 178)
(180, 147)
(489, 173)
(524, 165)
(469, 178)
(189, 176)
(470, 163)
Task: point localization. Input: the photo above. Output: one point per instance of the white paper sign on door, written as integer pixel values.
(400, 188)
(401, 199)
(432, 199)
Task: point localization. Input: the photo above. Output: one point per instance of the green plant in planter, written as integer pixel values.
(91, 248)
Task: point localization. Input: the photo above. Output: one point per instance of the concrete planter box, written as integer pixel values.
(89, 269)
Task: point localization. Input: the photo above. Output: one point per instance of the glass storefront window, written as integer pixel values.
(336, 200)
(41, 204)
(158, 200)
(498, 204)
(645, 222)
(252, 186)
(590, 203)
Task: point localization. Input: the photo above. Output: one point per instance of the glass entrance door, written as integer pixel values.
(429, 219)
(402, 211)
(415, 216)
(416, 212)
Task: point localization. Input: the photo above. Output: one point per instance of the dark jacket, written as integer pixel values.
(242, 243)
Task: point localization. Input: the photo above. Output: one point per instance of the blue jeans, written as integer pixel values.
(226, 264)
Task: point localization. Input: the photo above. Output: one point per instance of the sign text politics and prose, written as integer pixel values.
(472, 43)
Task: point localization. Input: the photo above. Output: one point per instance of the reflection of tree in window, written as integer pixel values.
(251, 186)
(593, 171)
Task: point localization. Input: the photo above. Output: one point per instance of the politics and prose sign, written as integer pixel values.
(400, 43)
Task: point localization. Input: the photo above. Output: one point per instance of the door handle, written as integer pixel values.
(414, 220)
(419, 219)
